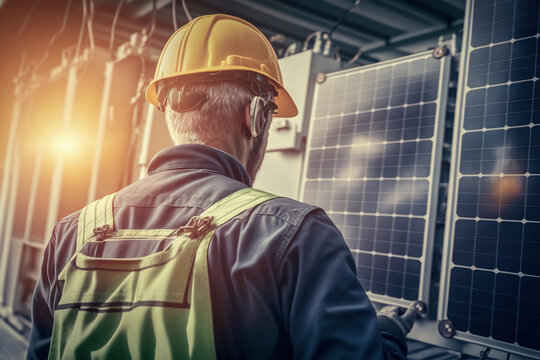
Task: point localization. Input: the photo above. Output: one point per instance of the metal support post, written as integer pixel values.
(145, 145)
(7, 193)
(56, 182)
(103, 116)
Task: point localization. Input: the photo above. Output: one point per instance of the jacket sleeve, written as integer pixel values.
(327, 313)
(42, 311)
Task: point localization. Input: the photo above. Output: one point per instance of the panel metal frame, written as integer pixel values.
(115, 72)
(12, 248)
(446, 262)
(436, 161)
(102, 122)
(58, 169)
(143, 159)
(9, 184)
(19, 245)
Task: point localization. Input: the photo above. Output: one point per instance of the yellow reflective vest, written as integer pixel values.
(155, 306)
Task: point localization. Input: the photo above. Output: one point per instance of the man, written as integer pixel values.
(282, 282)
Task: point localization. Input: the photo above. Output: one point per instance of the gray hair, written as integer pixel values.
(214, 119)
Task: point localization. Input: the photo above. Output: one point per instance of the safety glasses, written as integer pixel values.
(180, 101)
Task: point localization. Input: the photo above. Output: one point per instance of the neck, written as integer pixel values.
(239, 147)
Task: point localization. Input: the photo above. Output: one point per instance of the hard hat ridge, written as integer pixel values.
(212, 48)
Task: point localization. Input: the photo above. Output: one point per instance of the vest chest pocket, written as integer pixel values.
(132, 268)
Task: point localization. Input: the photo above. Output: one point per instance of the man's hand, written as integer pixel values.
(394, 319)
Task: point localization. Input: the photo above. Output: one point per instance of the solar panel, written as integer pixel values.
(372, 163)
(491, 286)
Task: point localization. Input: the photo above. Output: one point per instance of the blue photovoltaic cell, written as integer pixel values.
(499, 21)
(494, 285)
(369, 165)
(502, 105)
(492, 245)
(484, 303)
(503, 62)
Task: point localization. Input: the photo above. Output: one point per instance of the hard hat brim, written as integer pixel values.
(286, 106)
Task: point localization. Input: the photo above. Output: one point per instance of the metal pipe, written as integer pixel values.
(145, 144)
(56, 180)
(6, 194)
(102, 124)
(5, 311)
(17, 251)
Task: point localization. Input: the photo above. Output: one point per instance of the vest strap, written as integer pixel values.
(237, 202)
(97, 214)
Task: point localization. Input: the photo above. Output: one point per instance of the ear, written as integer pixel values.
(247, 119)
(258, 112)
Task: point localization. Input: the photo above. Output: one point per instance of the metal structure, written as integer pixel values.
(120, 118)
(376, 30)
(7, 198)
(281, 169)
(59, 152)
(372, 163)
(155, 137)
(490, 286)
(39, 189)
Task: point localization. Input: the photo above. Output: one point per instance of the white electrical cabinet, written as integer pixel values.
(282, 166)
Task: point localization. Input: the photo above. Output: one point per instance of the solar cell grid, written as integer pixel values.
(369, 164)
(498, 21)
(494, 250)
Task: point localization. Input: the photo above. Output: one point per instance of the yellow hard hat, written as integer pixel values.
(218, 43)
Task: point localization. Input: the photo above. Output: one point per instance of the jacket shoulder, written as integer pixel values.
(287, 209)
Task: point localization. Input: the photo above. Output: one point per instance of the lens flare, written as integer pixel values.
(64, 144)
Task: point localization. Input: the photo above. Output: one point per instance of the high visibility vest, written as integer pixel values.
(156, 306)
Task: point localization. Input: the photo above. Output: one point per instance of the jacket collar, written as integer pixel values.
(197, 156)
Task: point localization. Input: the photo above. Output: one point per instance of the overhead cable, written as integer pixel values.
(308, 39)
(90, 24)
(147, 42)
(113, 27)
(64, 23)
(81, 32)
(137, 100)
(175, 23)
(153, 20)
(355, 4)
(186, 11)
(28, 16)
(55, 36)
(356, 56)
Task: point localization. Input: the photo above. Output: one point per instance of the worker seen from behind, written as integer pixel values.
(192, 262)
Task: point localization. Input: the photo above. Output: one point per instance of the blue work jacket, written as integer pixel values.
(283, 282)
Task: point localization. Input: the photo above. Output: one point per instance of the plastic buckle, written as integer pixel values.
(197, 227)
(103, 232)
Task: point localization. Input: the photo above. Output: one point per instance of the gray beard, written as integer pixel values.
(256, 157)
